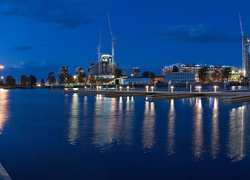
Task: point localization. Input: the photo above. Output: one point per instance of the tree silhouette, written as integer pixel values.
(24, 80)
(10, 81)
(32, 80)
(51, 78)
(226, 73)
(203, 74)
(175, 69)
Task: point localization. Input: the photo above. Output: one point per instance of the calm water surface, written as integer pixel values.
(47, 135)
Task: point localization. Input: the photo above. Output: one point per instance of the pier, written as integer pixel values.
(227, 96)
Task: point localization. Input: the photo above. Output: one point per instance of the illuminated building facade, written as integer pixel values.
(246, 57)
(135, 72)
(64, 70)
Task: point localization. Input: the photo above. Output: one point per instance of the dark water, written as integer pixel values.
(47, 135)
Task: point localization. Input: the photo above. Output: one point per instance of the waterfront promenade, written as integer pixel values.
(227, 96)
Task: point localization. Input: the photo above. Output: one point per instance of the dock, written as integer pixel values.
(3, 173)
(226, 96)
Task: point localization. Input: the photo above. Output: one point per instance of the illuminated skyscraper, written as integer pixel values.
(245, 52)
(246, 56)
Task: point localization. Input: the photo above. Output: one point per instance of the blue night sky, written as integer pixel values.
(40, 36)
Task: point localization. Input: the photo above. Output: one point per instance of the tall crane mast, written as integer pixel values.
(113, 44)
(244, 62)
(99, 53)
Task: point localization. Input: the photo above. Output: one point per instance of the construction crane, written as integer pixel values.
(113, 44)
(244, 62)
(99, 53)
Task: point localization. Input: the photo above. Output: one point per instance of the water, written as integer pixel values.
(47, 135)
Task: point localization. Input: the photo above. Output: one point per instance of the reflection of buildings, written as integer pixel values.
(74, 120)
(197, 129)
(215, 130)
(236, 134)
(148, 125)
(3, 108)
(171, 128)
(101, 121)
(113, 120)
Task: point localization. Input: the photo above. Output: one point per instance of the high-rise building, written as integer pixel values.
(135, 72)
(64, 70)
(246, 56)
(79, 70)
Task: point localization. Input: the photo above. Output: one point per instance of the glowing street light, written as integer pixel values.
(199, 88)
(215, 87)
(152, 88)
(127, 88)
(172, 89)
(1, 68)
(147, 88)
(120, 88)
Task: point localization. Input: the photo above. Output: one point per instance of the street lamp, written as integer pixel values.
(1, 68)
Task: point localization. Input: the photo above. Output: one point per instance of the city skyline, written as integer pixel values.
(42, 36)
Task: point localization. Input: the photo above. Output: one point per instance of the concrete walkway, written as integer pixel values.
(3, 174)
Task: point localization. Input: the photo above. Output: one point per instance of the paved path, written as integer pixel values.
(3, 174)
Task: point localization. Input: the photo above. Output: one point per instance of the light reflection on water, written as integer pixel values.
(101, 121)
(198, 129)
(148, 125)
(215, 146)
(171, 129)
(3, 108)
(236, 143)
(114, 121)
(74, 120)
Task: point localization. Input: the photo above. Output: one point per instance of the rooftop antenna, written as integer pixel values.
(113, 43)
(244, 65)
(99, 53)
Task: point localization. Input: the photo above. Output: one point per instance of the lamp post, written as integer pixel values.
(199, 88)
(152, 88)
(215, 88)
(1, 68)
(147, 88)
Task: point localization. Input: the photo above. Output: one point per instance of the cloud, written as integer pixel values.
(22, 48)
(195, 33)
(62, 13)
